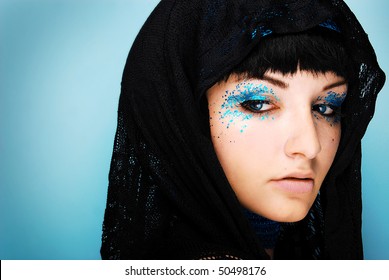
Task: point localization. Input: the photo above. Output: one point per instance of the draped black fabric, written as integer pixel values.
(168, 197)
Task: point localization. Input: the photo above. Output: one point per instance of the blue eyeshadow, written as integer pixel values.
(244, 91)
(335, 99)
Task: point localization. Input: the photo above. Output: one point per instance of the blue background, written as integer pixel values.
(60, 69)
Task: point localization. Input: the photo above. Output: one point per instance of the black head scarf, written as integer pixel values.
(168, 197)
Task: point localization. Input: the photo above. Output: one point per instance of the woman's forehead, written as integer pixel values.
(323, 81)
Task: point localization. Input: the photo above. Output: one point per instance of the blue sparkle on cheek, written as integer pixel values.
(248, 117)
(334, 120)
(243, 128)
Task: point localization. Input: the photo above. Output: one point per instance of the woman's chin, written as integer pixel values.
(291, 216)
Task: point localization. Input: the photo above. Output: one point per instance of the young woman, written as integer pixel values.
(239, 130)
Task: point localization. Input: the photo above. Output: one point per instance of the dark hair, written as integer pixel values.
(318, 51)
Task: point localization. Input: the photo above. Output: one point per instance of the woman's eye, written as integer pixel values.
(257, 106)
(324, 109)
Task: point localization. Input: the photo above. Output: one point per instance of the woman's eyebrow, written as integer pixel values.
(336, 84)
(275, 82)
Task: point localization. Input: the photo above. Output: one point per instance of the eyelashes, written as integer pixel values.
(260, 107)
(250, 100)
(327, 110)
(330, 106)
(257, 106)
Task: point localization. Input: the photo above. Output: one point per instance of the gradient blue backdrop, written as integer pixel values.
(60, 69)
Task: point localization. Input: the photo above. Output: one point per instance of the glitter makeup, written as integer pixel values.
(334, 101)
(245, 92)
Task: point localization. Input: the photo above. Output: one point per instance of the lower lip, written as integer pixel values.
(294, 185)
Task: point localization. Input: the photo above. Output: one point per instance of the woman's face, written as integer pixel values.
(276, 138)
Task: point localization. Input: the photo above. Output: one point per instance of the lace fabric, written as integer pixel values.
(267, 230)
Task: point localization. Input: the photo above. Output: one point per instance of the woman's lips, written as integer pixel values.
(294, 185)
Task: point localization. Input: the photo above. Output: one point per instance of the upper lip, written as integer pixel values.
(298, 175)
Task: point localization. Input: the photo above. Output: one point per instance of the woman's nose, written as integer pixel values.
(302, 139)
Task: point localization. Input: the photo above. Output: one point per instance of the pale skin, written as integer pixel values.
(276, 138)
